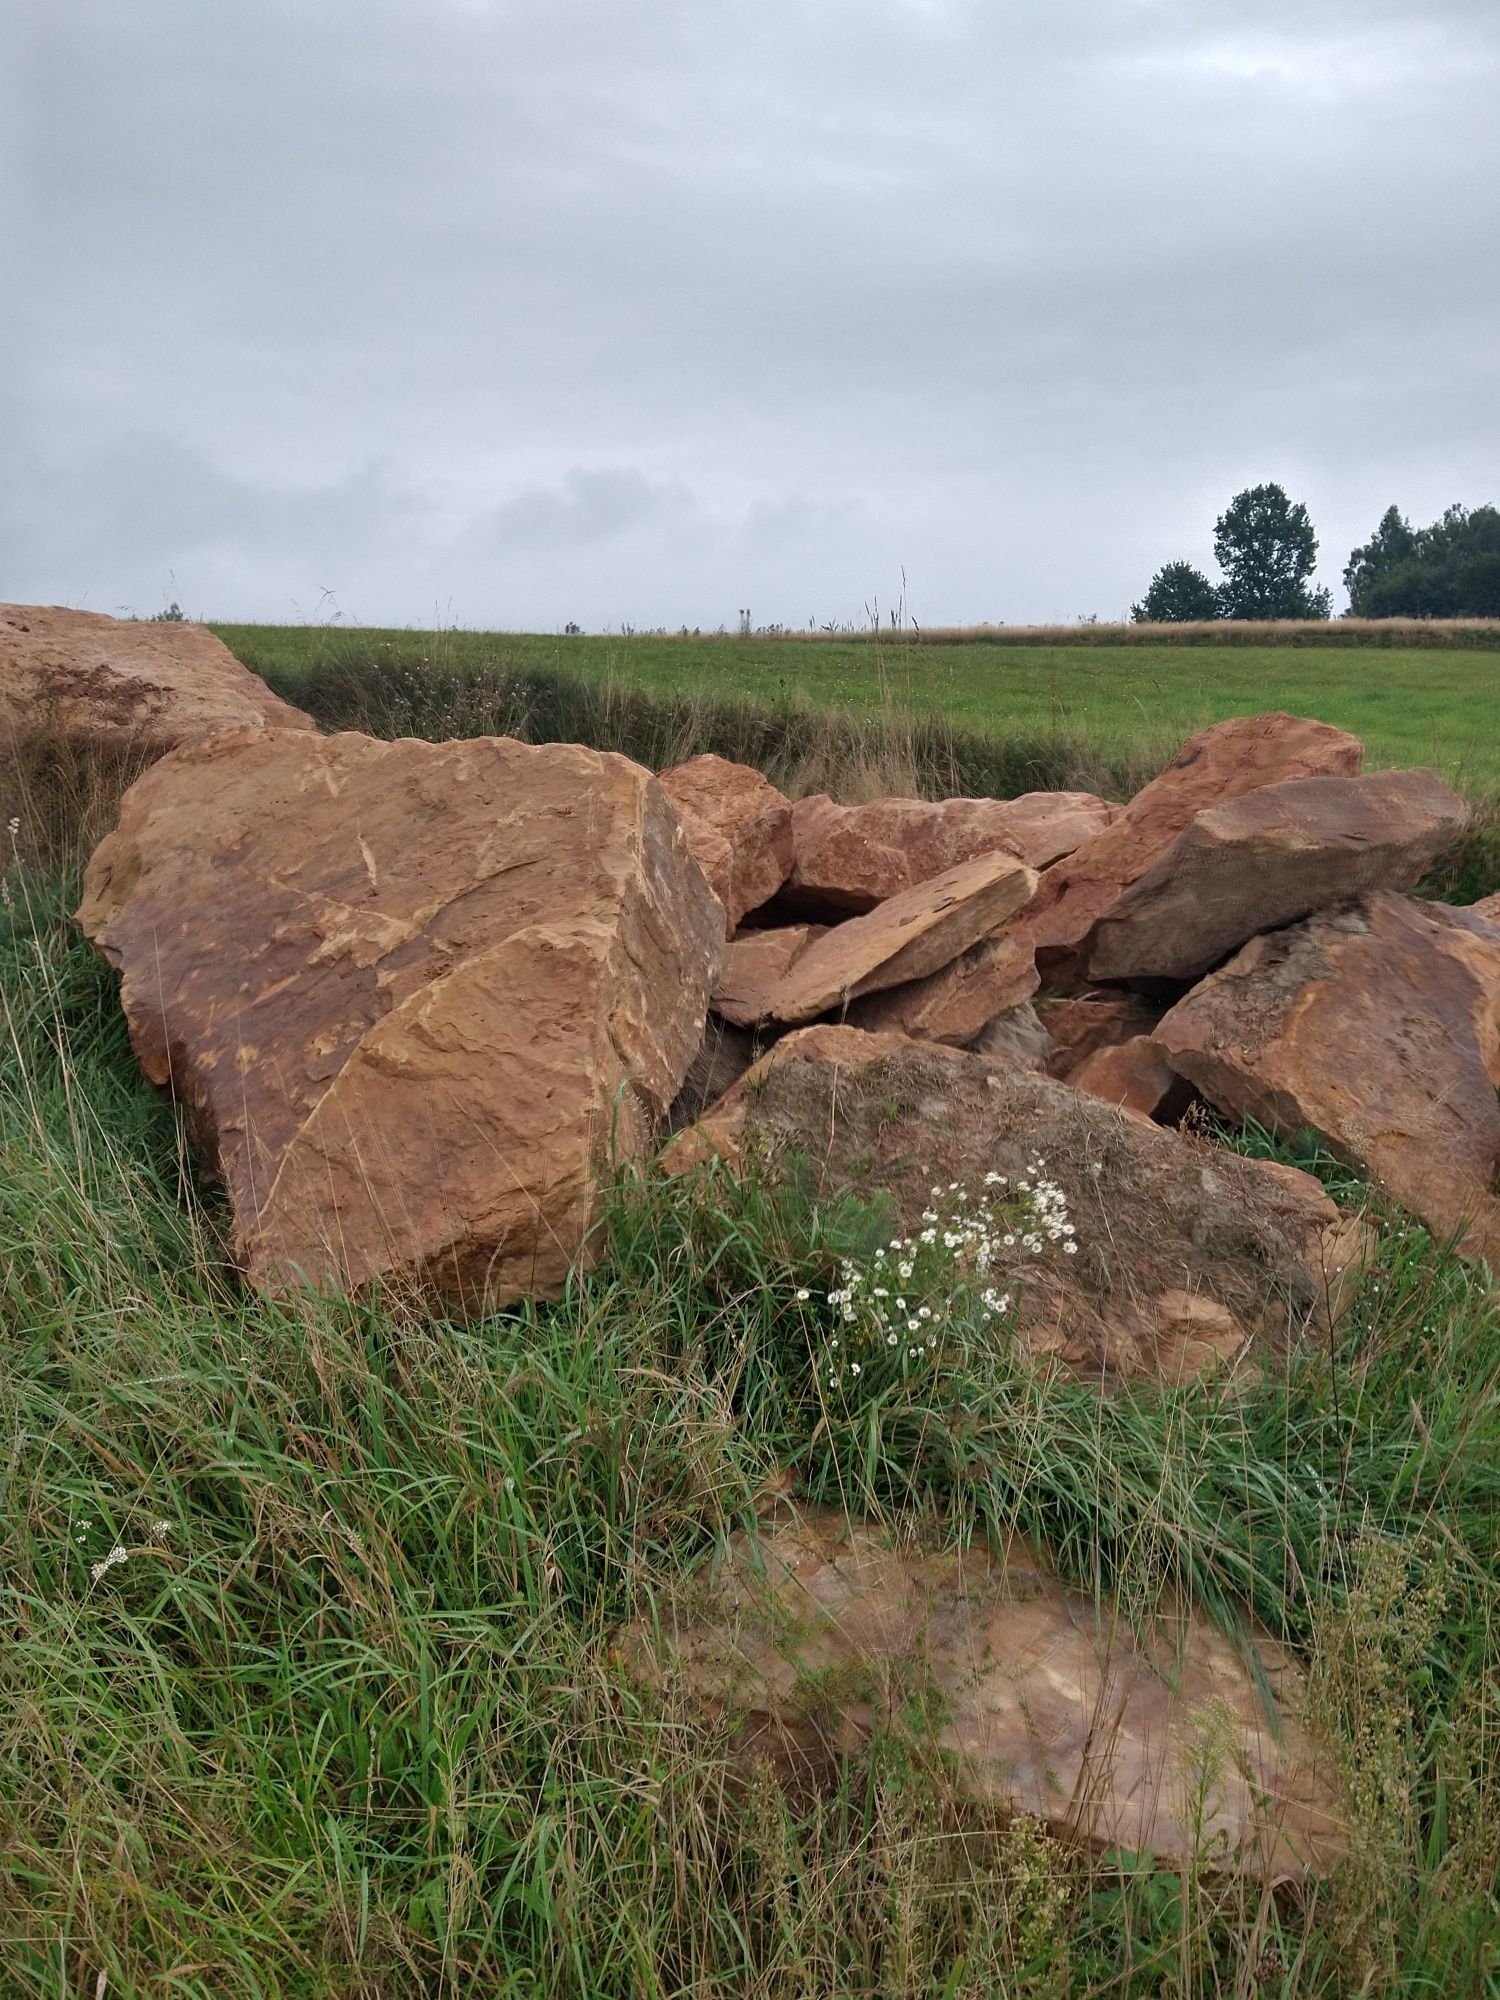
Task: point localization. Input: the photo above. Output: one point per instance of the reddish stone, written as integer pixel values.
(1269, 858)
(813, 1636)
(1137, 1076)
(738, 826)
(955, 1003)
(1220, 763)
(754, 964)
(1376, 1026)
(411, 995)
(1094, 1021)
(905, 938)
(849, 858)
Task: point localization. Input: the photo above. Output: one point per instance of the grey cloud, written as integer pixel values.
(560, 310)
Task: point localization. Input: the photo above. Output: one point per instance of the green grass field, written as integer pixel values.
(1414, 705)
(308, 1685)
(308, 1675)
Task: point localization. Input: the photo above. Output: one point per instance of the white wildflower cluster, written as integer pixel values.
(896, 1305)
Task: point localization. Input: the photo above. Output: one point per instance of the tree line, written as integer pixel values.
(1265, 545)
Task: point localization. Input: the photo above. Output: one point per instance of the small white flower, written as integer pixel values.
(803, 1293)
(116, 1555)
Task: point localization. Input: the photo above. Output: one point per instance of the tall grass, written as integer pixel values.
(346, 1717)
(349, 682)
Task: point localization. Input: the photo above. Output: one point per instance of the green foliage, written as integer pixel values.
(345, 1718)
(1265, 545)
(1179, 595)
(933, 719)
(1450, 569)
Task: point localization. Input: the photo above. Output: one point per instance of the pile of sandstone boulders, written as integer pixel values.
(412, 996)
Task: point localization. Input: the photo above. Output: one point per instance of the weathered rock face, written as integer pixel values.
(116, 685)
(754, 964)
(905, 938)
(955, 1003)
(1487, 909)
(1156, 1214)
(406, 991)
(1092, 1021)
(87, 703)
(1220, 763)
(738, 826)
(1375, 1025)
(1136, 1076)
(849, 858)
(1269, 858)
(1043, 1703)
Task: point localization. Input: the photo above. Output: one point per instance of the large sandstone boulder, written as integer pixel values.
(1378, 1026)
(904, 938)
(409, 994)
(849, 858)
(1153, 1736)
(1157, 1214)
(1220, 763)
(1268, 858)
(87, 702)
(738, 826)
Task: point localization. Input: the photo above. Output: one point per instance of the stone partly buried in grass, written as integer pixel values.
(1378, 1026)
(1158, 1215)
(407, 993)
(816, 1635)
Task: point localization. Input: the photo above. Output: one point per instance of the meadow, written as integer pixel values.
(309, 1684)
(1108, 690)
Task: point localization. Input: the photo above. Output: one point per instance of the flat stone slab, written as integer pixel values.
(907, 937)
(816, 1632)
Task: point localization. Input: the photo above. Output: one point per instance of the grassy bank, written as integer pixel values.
(1119, 703)
(342, 1716)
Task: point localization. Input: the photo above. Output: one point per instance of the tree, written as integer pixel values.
(1369, 566)
(1449, 570)
(1266, 547)
(1179, 595)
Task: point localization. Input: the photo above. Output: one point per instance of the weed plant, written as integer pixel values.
(308, 1684)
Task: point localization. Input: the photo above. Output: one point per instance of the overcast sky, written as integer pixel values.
(510, 312)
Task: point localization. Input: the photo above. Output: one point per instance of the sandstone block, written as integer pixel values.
(905, 938)
(1269, 858)
(1155, 1213)
(1220, 763)
(738, 826)
(409, 994)
(754, 964)
(955, 1003)
(849, 858)
(1378, 1026)
(1041, 1701)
